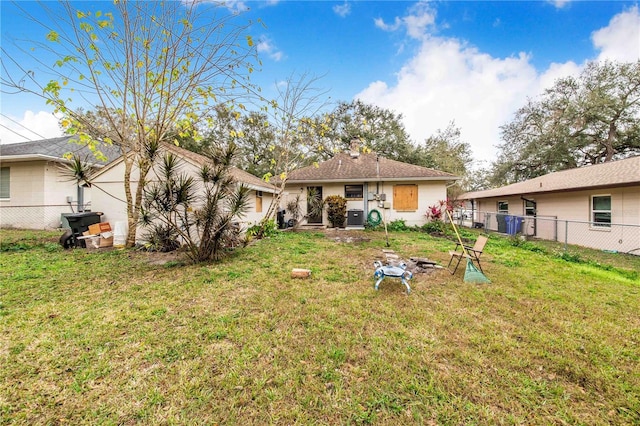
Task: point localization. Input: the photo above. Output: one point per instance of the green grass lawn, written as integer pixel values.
(110, 337)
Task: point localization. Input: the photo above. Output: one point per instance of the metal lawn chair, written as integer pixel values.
(472, 253)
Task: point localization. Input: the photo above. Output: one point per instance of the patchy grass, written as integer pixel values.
(112, 337)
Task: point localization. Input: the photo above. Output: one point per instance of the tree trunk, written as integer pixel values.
(611, 140)
(273, 206)
(131, 220)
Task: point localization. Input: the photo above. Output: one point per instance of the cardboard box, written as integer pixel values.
(99, 228)
(106, 239)
(98, 236)
(106, 242)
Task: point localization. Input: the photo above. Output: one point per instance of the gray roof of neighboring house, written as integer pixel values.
(611, 174)
(54, 150)
(345, 167)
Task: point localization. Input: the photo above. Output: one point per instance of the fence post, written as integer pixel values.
(566, 234)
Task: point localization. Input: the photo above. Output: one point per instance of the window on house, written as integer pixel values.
(529, 208)
(405, 198)
(353, 191)
(601, 211)
(258, 201)
(503, 207)
(4, 183)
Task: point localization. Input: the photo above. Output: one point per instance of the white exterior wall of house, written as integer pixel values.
(429, 193)
(38, 195)
(57, 188)
(576, 206)
(254, 215)
(108, 197)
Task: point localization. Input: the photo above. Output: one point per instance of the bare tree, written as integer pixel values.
(291, 115)
(147, 71)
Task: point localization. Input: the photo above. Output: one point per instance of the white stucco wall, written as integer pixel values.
(429, 193)
(38, 195)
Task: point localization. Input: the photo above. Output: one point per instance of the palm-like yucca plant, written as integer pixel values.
(78, 170)
(200, 212)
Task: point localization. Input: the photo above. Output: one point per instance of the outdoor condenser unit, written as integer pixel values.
(355, 217)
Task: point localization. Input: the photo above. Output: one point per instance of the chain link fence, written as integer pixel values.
(34, 217)
(614, 237)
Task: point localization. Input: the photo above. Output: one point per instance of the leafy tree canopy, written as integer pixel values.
(579, 121)
(378, 129)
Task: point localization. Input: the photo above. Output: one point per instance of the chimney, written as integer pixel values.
(355, 148)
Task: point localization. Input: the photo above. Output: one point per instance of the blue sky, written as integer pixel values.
(472, 62)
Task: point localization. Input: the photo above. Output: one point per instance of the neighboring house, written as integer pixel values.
(34, 190)
(370, 182)
(603, 200)
(109, 195)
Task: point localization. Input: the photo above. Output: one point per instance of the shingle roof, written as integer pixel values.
(238, 174)
(54, 149)
(614, 173)
(343, 168)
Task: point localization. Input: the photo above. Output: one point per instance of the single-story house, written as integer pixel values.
(368, 181)
(600, 203)
(109, 193)
(34, 190)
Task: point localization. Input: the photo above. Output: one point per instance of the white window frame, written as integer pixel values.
(502, 211)
(529, 207)
(593, 212)
(7, 171)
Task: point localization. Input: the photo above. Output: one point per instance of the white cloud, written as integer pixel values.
(379, 23)
(559, 3)
(266, 46)
(420, 17)
(342, 10)
(235, 5)
(32, 126)
(620, 40)
(449, 79)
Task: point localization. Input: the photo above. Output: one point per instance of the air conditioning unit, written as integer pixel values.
(355, 217)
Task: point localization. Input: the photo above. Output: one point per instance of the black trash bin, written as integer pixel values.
(78, 223)
(502, 223)
(282, 224)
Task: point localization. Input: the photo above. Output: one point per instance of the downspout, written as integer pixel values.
(80, 192)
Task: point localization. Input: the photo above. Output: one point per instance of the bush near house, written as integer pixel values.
(336, 210)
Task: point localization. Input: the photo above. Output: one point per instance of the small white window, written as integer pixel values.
(601, 211)
(529, 208)
(4, 183)
(503, 207)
